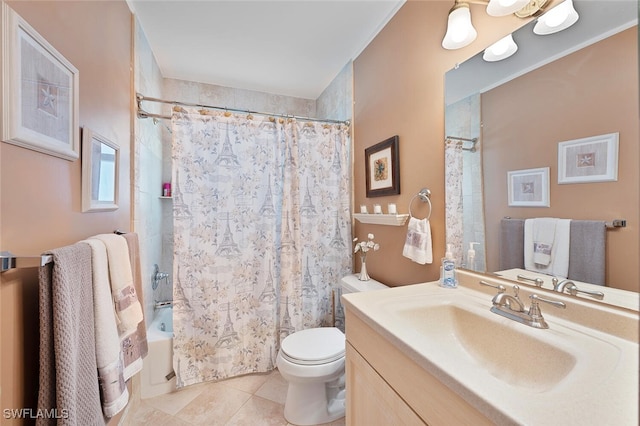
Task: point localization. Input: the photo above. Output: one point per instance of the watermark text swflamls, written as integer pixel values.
(35, 413)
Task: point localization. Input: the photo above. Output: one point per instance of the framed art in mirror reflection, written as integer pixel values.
(592, 159)
(528, 187)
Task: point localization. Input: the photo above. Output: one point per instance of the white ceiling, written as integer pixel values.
(292, 48)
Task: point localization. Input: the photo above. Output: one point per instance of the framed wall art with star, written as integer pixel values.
(592, 159)
(383, 168)
(40, 100)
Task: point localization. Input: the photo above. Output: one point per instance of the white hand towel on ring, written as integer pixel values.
(417, 246)
(559, 264)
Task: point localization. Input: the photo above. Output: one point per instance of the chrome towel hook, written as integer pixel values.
(425, 197)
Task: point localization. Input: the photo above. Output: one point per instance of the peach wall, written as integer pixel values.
(591, 92)
(399, 90)
(40, 205)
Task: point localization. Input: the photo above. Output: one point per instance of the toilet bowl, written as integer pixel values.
(312, 362)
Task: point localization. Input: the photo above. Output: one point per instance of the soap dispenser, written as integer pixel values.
(471, 257)
(448, 276)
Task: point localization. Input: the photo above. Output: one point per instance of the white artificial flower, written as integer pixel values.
(365, 246)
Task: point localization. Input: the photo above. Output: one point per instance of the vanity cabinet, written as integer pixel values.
(385, 386)
(370, 400)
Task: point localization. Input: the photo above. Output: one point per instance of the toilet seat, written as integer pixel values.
(314, 346)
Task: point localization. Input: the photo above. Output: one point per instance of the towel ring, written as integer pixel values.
(425, 197)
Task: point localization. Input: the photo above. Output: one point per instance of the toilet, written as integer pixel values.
(312, 362)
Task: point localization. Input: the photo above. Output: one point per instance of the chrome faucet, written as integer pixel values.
(505, 300)
(572, 289)
(157, 276)
(512, 307)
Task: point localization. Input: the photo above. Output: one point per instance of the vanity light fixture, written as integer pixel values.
(505, 7)
(557, 19)
(460, 30)
(500, 50)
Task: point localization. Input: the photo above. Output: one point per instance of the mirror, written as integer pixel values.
(100, 162)
(487, 101)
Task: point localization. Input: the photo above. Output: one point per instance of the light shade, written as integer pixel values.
(505, 7)
(460, 31)
(557, 19)
(500, 50)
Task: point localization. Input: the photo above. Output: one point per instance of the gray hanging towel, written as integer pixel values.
(511, 244)
(587, 251)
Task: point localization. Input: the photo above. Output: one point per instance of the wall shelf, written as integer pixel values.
(162, 197)
(382, 219)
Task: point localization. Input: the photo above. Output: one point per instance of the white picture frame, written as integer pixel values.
(100, 171)
(586, 160)
(40, 99)
(528, 187)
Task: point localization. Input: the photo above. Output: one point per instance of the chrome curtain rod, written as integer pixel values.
(144, 114)
(474, 140)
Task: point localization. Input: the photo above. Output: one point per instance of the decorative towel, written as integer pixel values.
(511, 244)
(134, 256)
(417, 246)
(559, 262)
(588, 248)
(127, 307)
(113, 390)
(543, 233)
(68, 382)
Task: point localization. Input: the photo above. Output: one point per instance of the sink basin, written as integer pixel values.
(505, 352)
(535, 360)
(569, 373)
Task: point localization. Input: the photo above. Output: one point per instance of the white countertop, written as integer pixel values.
(594, 392)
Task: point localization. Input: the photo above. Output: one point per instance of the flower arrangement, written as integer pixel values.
(364, 246)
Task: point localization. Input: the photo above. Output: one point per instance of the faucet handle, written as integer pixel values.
(534, 310)
(516, 292)
(573, 290)
(537, 281)
(535, 298)
(500, 287)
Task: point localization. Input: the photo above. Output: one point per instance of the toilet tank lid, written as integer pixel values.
(351, 284)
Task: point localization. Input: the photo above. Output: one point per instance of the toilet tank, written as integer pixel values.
(351, 284)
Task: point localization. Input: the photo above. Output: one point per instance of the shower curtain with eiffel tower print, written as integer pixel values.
(261, 237)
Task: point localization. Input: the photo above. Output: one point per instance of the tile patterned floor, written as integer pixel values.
(252, 400)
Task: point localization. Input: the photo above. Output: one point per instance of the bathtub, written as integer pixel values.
(158, 364)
